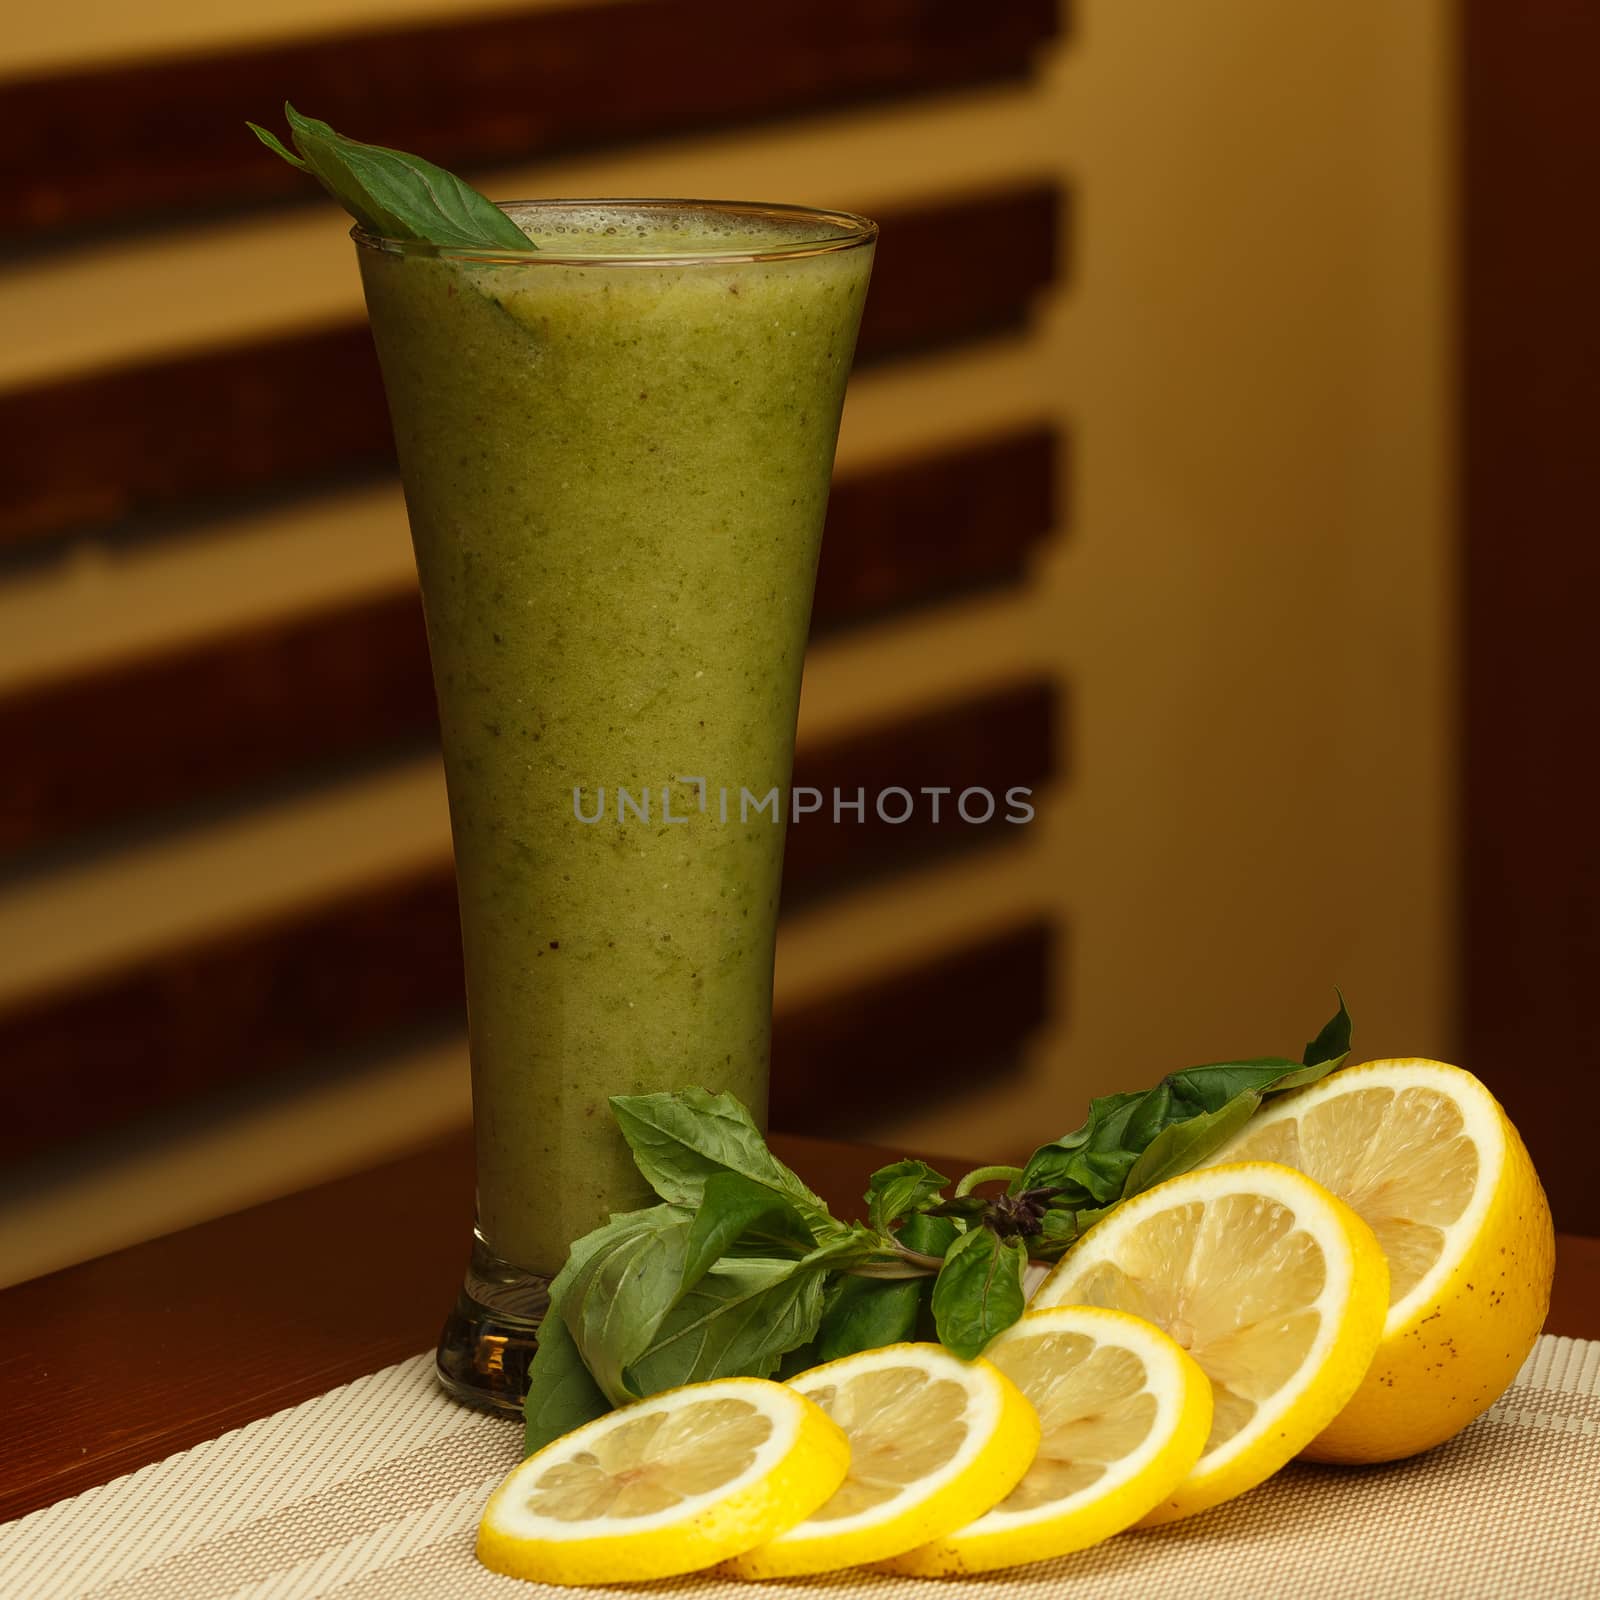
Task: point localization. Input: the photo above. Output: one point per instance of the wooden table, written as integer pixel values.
(120, 1361)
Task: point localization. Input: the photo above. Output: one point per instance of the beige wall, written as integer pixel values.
(1252, 604)
(1249, 607)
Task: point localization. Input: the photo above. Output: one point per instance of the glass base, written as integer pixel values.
(492, 1332)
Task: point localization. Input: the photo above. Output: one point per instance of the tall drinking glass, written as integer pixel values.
(616, 452)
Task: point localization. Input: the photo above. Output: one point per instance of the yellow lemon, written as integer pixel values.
(1275, 1287)
(1425, 1154)
(1123, 1414)
(675, 1483)
(934, 1443)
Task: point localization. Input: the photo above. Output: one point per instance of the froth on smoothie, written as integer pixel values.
(586, 229)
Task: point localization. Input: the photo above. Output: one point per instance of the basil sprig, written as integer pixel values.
(1132, 1142)
(741, 1270)
(392, 194)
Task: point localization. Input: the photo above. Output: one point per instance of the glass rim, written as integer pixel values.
(849, 232)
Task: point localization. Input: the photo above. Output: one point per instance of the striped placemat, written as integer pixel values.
(372, 1492)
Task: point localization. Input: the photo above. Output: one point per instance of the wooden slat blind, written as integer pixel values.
(129, 143)
(242, 1003)
(208, 719)
(203, 717)
(272, 999)
(920, 1033)
(167, 434)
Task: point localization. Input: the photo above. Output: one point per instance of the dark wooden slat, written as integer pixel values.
(230, 1010)
(207, 720)
(963, 267)
(1531, 495)
(244, 1004)
(124, 742)
(850, 1058)
(102, 1368)
(186, 431)
(997, 742)
(129, 143)
(932, 525)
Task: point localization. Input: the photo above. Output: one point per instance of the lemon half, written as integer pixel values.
(673, 1484)
(934, 1443)
(1124, 1415)
(1275, 1287)
(1425, 1154)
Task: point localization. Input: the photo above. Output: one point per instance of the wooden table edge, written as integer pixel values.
(117, 1362)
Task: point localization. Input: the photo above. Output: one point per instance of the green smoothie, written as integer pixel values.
(616, 457)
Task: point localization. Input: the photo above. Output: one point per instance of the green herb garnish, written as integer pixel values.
(741, 1270)
(1132, 1142)
(392, 194)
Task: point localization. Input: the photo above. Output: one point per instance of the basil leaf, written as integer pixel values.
(1211, 1087)
(629, 1284)
(396, 195)
(1085, 1220)
(978, 1292)
(625, 1286)
(562, 1395)
(904, 1187)
(562, 1392)
(1333, 1043)
(276, 145)
(864, 1313)
(681, 1138)
(1133, 1141)
(743, 1270)
(929, 1236)
(802, 1358)
(1058, 1228)
(1091, 1163)
(734, 1210)
(1186, 1144)
(742, 1318)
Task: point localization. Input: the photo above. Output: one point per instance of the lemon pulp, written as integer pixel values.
(1274, 1287)
(934, 1443)
(1235, 1282)
(653, 1463)
(1401, 1159)
(903, 1426)
(1123, 1414)
(671, 1484)
(1095, 1409)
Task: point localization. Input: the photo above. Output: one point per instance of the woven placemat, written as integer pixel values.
(372, 1492)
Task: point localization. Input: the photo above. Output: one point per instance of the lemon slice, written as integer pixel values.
(1124, 1415)
(934, 1442)
(675, 1483)
(1275, 1287)
(1424, 1153)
